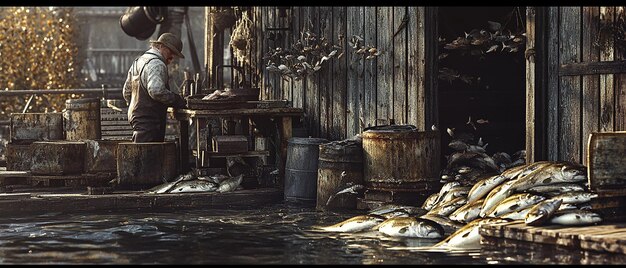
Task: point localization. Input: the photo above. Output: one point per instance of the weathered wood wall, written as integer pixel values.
(351, 93)
(586, 84)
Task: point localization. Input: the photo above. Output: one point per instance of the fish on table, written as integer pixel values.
(541, 212)
(575, 217)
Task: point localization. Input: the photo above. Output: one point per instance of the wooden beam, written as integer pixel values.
(591, 68)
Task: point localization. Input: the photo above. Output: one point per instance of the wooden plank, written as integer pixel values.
(590, 90)
(286, 87)
(620, 78)
(312, 23)
(324, 75)
(570, 87)
(415, 69)
(339, 96)
(14, 174)
(384, 67)
(553, 134)
(589, 68)
(399, 58)
(531, 91)
(122, 127)
(298, 85)
(369, 91)
(355, 72)
(431, 71)
(607, 91)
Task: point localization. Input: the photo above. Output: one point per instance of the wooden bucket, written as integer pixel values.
(58, 157)
(143, 165)
(82, 119)
(400, 158)
(26, 128)
(340, 166)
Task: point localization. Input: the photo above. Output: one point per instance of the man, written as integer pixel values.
(147, 92)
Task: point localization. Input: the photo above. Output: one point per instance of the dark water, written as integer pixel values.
(278, 234)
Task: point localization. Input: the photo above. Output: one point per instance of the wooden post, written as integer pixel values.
(285, 135)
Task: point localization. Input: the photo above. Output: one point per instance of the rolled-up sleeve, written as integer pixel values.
(156, 76)
(126, 90)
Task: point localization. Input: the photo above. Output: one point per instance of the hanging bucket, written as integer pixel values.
(138, 21)
(301, 169)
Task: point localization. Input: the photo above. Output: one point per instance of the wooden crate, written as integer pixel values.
(606, 162)
(29, 127)
(230, 144)
(58, 157)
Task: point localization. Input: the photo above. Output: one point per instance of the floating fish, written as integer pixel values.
(467, 212)
(410, 227)
(413, 211)
(448, 225)
(194, 186)
(354, 224)
(514, 203)
(445, 209)
(431, 201)
(468, 236)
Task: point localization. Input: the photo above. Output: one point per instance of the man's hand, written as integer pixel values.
(180, 103)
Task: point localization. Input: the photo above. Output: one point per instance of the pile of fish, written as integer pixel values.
(188, 183)
(540, 193)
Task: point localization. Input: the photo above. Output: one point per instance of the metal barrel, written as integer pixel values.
(82, 119)
(340, 166)
(400, 158)
(301, 169)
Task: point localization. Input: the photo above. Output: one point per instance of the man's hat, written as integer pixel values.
(172, 42)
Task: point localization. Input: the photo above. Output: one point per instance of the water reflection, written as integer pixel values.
(279, 234)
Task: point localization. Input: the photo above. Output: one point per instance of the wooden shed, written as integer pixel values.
(569, 75)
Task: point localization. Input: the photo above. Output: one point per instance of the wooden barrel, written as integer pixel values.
(301, 169)
(606, 154)
(29, 127)
(19, 156)
(101, 156)
(58, 157)
(340, 166)
(143, 165)
(400, 158)
(82, 119)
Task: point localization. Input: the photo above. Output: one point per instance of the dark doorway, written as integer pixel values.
(482, 76)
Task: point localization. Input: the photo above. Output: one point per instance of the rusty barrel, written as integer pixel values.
(400, 158)
(82, 119)
(340, 166)
(143, 165)
(26, 128)
(301, 169)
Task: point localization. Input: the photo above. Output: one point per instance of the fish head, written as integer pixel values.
(573, 173)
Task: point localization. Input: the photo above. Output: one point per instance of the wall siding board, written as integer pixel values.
(553, 84)
(355, 72)
(399, 87)
(607, 92)
(590, 86)
(324, 83)
(415, 61)
(312, 110)
(370, 68)
(620, 80)
(531, 88)
(298, 95)
(384, 93)
(570, 85)
(339, 84)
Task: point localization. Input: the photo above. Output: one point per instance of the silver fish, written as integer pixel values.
(467, 212)
(410, 227)
(557, 187)
(165, 187)
(230, 184)
(576, 197)
(559, 172)
(430, 202)
(482, 187)
(445, 209)
(348, 190)
(448, 225)
(514, 203)
(194, 186)
(521, 171)
(542, 211)
(413, 211)
(394, 214)
(495, 196)
(575, 217)
(467, 237)
(454, 193)
(354, 224)
(517, 215)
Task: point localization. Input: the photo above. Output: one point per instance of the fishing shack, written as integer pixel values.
(383, 104)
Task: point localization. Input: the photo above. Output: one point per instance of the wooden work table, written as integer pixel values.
(283, 116)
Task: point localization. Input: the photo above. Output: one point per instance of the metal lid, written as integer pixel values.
(297, 140)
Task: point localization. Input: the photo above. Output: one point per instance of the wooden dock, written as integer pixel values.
(609, 237)
(70, 200)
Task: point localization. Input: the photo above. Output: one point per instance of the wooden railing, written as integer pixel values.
(108, 66)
